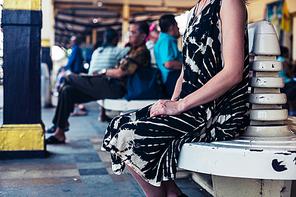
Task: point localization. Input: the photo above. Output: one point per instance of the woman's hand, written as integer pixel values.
(165, 107)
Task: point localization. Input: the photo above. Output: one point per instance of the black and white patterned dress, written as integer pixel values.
(151, 146)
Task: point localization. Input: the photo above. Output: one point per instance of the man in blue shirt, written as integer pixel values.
(167, 55)
(75, 58)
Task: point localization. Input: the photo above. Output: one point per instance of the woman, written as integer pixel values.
(208, 104)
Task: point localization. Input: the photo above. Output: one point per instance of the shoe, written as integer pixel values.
(53, 128)
(79, 111)
(53, 140)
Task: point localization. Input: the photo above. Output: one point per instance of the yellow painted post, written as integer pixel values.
(87, 39)
(125, 21)
(94, 36)
(22, 133)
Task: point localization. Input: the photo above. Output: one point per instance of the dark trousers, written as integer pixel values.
(171, 82)
(81, 89)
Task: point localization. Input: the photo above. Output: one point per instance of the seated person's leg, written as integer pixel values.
(102, 116)
(78, 89)
(67, 98)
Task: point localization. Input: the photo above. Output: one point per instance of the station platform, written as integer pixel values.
(77, 168)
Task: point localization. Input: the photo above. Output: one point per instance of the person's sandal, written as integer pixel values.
(182, 195)
(53, 128)
(53, 140)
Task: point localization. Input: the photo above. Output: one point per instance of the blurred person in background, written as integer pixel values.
(288, 74)
(108, 83)
(75, 59)
(152, 39)
(105, 56)
(167, 55)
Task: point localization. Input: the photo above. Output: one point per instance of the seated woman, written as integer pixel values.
(208, 104)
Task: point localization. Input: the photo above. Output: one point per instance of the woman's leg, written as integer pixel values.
(167, 188)
(171, 188)
(147, 143)
(149, 190)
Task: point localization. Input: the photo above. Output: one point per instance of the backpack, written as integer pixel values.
(145, 83)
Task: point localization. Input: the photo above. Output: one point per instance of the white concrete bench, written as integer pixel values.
(122, 105)
(262, 162)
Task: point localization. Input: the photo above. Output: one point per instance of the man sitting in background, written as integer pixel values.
(167, 55)
(104, 57)
(108, 83)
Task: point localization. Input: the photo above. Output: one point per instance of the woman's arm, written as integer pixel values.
(233, 25)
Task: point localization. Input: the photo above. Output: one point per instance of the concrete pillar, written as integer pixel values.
(22, 134)
(47, 32)
(125, 21)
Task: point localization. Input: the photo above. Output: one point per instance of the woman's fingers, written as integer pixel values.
(159, 108)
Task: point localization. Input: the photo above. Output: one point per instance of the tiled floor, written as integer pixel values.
(77, 168)
(67, 167)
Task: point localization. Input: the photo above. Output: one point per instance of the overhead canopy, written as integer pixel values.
(84, 17)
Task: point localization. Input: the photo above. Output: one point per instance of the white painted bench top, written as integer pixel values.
(271, 159)
(123, 104)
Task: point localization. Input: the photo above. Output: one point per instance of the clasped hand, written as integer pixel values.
(164, 107)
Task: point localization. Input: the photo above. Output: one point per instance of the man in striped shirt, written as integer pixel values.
(108, 83)
(107, 55)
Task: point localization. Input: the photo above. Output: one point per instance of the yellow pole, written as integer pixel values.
(125, 21)
(22, 134)
(94, 36)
